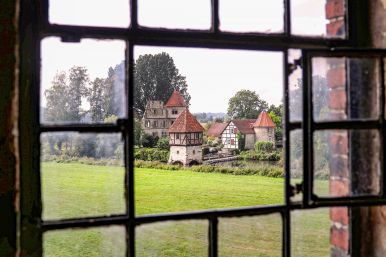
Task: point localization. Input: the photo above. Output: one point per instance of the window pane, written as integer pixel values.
(313, 232)
(82, 82)
(98, 242)
(346, 162)
(175, 14)
(296, 161)
(82, 175)
(318, 18)
(221, 120)
(251, 16)
(172, 238)
(112, 13)
(250, 236)
(345, 88)
(295, 84)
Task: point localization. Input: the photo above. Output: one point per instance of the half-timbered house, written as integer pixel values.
(185, 140)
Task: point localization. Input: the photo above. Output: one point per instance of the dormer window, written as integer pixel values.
(174, 111)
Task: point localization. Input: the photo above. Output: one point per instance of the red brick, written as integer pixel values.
(339, 214)
(336, 77)
(334, 9)
(336, 28)
(338, 143)
(339, 238)
(338, 188)
(338, 166)
(337, 99)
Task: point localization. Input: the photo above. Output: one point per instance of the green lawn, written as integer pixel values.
(77, 190)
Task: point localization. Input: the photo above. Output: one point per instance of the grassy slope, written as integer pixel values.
(71, 190)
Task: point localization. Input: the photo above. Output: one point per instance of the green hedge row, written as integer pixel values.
(82, 160)
(151, 154)
(261, 156)
(263, 170)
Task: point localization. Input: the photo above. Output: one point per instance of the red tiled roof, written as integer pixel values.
(264, 121)
(176, 100)
(186, 122)
(245, 126)
(216, 129)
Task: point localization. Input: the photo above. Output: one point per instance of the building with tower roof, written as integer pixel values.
(185, 140)
(251, 130)
(158, 117)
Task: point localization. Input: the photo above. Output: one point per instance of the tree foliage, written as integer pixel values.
(156, 76)
(64, 98)
(246, 104)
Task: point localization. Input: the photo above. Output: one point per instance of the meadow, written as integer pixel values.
(77, 190)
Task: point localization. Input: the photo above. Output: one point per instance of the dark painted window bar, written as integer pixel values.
(37, 11)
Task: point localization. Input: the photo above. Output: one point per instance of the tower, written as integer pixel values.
(185, 139)
(264, 128)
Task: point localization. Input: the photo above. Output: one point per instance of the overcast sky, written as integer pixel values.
(213, 76)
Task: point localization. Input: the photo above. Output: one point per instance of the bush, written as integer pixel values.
(264, 146)
(151, 154)
(163, 143)
(149, 141)
(261, 156)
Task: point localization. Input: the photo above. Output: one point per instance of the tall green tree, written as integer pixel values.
(246, 104)
(64, 98)
(156, 76)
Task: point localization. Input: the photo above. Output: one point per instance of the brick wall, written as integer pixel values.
(338, 140)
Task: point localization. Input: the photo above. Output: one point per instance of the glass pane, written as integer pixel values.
(251, 16)
(112, 13)
(345, 88)
(172, 238)
(96, 242)
(346, 162)
(232, 127)
(296, 161)
(82, 175)
(82, 82)
(250, 236)
(175, 14)
(312, 232)
(295, 84)
(318, 18)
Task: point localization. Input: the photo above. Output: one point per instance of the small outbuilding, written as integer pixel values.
(185, 140)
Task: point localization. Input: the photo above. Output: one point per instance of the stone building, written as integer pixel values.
(158, 117)
(185, 140)
(261, 129)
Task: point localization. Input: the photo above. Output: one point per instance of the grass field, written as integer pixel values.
(77, 190)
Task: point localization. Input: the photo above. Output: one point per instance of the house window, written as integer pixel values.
(265, 39)
(155, 112)
(177, 136)
(147, 124)
(232, 141)
(155, 124)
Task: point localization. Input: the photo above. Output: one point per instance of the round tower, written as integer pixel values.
(264, 128)
(185, 139)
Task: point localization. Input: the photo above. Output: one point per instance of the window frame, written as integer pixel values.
(34, 26)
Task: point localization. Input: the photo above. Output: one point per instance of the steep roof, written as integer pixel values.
(264, 121)
(186, 122)
(176, 100)
(216, 129)
(245, 126)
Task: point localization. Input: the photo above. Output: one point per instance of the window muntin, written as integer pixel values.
(212, 221)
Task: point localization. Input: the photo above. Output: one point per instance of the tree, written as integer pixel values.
(155, 77)
(77, 88)
(246, 104)
(276, 114)
(64, 98)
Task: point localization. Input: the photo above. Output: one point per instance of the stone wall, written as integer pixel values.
(185, 154)
(264, 134)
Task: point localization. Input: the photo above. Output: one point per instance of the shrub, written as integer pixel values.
(151, 154)
(163, 143)
(264, 146)
(261, 156)
(149, 140)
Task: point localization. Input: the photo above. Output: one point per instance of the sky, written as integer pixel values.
(213, 76)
